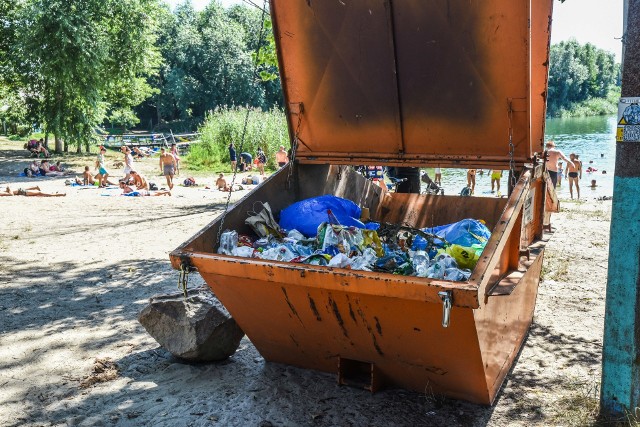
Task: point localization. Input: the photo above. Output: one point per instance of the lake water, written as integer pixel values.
(592, 138)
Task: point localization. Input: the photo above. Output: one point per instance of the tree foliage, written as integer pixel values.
(208, 63)
(78, 61)
(579, 73)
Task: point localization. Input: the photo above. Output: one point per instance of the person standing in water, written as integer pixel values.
(471, 180)
(495, 180)
(574, 170)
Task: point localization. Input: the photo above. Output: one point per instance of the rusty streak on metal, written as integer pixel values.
(314, 309)
(336, 313)
(291, 307)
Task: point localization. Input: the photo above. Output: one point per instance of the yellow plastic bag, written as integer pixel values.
(372, 240)
(464, 256)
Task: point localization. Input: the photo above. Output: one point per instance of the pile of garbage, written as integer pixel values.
(328, 231)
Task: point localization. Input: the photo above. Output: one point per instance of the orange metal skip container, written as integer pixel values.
(370, 82)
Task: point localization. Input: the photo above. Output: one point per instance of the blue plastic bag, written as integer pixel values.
(306, 215)
(467, 232)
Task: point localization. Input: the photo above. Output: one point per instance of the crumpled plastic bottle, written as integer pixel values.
(447, 260)
(228, 242)
(457, 274)
(420, 262)
(436, 270)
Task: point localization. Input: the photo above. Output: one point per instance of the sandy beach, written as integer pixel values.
(77, 270)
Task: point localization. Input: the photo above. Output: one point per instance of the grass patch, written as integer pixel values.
(265, 129)
(580, 407)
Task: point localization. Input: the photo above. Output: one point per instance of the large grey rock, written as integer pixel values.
(198, 328)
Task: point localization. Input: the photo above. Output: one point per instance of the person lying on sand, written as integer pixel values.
(48, 170)
(29, 192)
(128, 191)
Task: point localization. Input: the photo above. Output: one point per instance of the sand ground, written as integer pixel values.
(75, 272)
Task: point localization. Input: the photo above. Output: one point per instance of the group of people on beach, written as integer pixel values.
(247, 162)
(133, 183)
(37, 148)
(495, 175)
(574, 168)
(44, 168)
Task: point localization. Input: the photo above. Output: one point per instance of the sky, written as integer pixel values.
(598, 22)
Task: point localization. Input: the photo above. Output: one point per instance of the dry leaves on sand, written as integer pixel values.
(104, 369)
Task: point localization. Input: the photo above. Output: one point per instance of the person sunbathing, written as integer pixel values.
(33, 169)
(128, 191)
(59, 168)
(47, 170)
(29, 192)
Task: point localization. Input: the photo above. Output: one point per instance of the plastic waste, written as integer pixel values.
(364, 261)
(295, 234)
(447, 260)
(263, 222)
(228, 242)
(279, 253)
(340, 260)
(420, 262)
(306, 215)
(243, 251)
(370, 239)
(465, 257)
(456, 274)
(436, 270)
(317, 259)
(465, 233)
(332, 218)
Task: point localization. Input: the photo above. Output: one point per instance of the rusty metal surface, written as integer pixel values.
(430, 210)
(312, 327)
(312, 316)
(415, 80)
(503, 322)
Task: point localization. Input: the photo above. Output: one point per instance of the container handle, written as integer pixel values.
(447, 303)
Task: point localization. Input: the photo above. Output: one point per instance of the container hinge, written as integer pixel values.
(447, 302)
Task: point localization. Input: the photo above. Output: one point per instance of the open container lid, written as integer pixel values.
(414, 82)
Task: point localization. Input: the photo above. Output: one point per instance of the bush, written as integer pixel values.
(266, 129)
(592, 106)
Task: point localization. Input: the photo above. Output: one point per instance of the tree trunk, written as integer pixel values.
(46, 140)
(58, 143)
(66, 146)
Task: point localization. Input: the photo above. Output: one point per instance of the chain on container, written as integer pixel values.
(246, 121)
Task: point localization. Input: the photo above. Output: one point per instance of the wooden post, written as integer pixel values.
(621, 351)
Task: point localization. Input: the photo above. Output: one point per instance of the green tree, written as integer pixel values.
(208, 63)
(79, 60)
(579, 74)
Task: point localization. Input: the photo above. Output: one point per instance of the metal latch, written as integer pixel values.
(445, 296)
